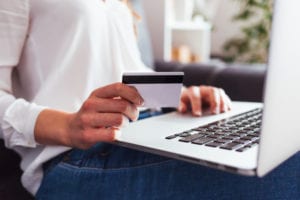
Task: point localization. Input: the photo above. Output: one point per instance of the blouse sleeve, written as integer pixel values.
(17, 116)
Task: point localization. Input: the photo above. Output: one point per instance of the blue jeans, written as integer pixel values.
(111, 172)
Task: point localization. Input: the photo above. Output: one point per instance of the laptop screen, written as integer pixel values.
(281, 109)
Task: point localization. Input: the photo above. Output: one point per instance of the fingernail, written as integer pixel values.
(180, 108)
(198, 113)
(118, 134)
(226, 108)
(142, 102)
(125, 122)
(136, 118)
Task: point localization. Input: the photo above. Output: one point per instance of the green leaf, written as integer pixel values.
(254, 43)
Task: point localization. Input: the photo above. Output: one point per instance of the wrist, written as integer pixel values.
(52, 128)
(64, 132)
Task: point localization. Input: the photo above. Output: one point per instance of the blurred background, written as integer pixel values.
(205, 30)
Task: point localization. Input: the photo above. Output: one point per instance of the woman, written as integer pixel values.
(60, 64)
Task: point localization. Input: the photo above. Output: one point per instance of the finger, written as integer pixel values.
(223, 105)
(182, 107)
(114, 106)
(184, 101)
(211, 96)
(228, 102)
(195, 100)
(121, 106)
(96, 135)
(216, 101)
(106, 134)
(97, 120)
(120, 90)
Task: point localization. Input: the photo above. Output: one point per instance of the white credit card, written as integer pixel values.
(158, 89)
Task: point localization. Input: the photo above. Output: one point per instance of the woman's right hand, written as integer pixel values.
(100, 117)
(103, 113)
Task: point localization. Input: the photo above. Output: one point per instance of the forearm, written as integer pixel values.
(98, 120)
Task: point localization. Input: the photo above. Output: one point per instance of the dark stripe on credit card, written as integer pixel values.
(144, 79)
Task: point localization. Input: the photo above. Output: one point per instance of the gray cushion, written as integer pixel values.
(241, 82)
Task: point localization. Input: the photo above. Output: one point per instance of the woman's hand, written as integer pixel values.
(196, 98)
(98, 120)
(103, 113)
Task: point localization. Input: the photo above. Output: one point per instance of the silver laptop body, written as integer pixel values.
(280, 132)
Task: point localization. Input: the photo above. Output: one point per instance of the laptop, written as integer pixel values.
(270, 130)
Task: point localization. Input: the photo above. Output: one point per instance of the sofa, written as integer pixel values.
(10, 173)
(241, 81)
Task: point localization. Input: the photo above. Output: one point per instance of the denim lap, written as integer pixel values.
(112, 172)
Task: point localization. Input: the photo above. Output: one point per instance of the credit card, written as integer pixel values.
(158, 89)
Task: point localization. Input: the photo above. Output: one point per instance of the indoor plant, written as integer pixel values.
(252, 45)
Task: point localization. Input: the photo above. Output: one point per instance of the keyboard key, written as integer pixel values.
(234, 135)
(184, 134)
(192, 132)
(219, 134)
(222, 141)
(248, 129)
(231, 146)
(229, 137)
(250, 145)
(191, 138)
(202, 140)
(256, 141)
(243, 149)
(242, 132)
(171, 137)
(213, 144)
(200, 129)
(247, 138)
(213, 136)
(242, 141)
(256, 130)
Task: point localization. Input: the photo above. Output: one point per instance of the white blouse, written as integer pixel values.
(53, 53)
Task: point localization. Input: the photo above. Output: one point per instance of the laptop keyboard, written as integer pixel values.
(238, 133)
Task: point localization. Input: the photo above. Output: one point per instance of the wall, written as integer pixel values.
(223, 26)
(154, 11)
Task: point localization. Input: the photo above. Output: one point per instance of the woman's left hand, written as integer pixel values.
(195, 98)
